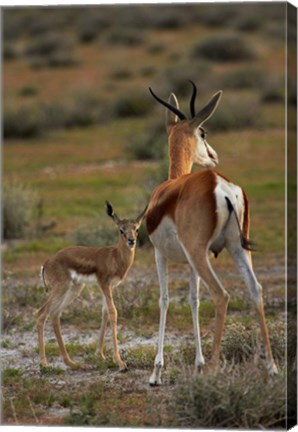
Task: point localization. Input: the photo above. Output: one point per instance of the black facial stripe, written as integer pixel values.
(208, 152)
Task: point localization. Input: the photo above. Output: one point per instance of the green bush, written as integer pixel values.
(18, 205)
(223, 48)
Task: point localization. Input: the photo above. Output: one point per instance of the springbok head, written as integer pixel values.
(189, 134)
(128, 228)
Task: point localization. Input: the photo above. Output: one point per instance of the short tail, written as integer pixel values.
(245, 242)
(43, 278)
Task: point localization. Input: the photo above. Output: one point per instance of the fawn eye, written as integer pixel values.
(121, 231)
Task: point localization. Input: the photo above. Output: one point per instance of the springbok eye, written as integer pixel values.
(121, 231)
(203, 134)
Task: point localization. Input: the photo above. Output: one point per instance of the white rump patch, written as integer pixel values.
(234, 194)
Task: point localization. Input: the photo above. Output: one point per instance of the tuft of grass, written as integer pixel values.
(11, 374)
(19, 204)
(141, 357)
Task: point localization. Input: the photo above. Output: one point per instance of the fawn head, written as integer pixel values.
(128, 228)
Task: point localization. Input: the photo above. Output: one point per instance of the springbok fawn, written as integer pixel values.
(193, 213)
(66, 273)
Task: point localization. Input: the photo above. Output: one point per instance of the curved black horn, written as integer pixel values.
(169, 106)
(193, 99)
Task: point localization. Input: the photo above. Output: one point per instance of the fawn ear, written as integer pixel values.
(111, 213)
(141, 216)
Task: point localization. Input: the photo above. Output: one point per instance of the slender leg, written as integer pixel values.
(42, 316)
(242, 260)
(194, 283)
(161, 264)
(113, 319)
(57, 329)
(104, 319)
(200, 262)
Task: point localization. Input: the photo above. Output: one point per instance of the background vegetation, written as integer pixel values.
(80, 127)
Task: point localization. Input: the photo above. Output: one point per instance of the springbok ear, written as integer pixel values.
(207, 111)
(141, 216)
(171, 117)
(111, 213)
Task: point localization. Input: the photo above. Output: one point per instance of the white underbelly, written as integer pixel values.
(80, 278)
(165, 239)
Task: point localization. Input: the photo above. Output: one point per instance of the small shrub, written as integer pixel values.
(223, 48)
(125, 36)
(23, 122)
(18, 207)
(235, 398)
(249, 23)
(28, 91)
(131, 105)
(239, 343)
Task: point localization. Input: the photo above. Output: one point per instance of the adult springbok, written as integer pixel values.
(193, 213)
(67, 271)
